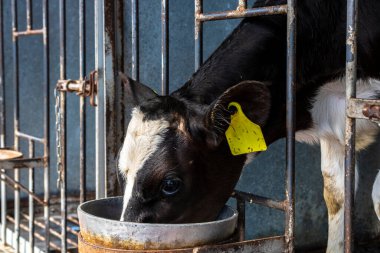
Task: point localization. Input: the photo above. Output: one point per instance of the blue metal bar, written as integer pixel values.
(46, 71)
(2, 87)
(16, 125)
(100, 147)
(82, 104)
(135, 40)
(62, 37)
(198, 35)
(290, 124)
(31, 201)
(164, 47)
(351, 67)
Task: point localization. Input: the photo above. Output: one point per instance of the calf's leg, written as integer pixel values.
(332, 155)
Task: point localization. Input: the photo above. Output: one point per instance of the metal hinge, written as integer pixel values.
(85, 88)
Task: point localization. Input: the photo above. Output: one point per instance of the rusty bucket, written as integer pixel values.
(100, 228)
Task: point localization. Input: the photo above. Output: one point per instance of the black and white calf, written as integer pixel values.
(175, 158)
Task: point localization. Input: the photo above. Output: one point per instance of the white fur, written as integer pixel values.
(141, 141)
(376, 195)
(328, 115)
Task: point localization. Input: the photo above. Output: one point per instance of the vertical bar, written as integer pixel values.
(62, 30)
(110, 109)
(2, 87)
(290, 124)
(28, 15)
(45, 24)
(100, 182)
(349, 182)
(3, 208)
(241, 219)
(242, 5)
(198, 35)
(31, 201)
(82, 100)
(135, 40)
(164, 47)
(16, 126)
(2, 133)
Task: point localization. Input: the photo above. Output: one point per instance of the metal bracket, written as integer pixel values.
(364, 109)
(85, 88)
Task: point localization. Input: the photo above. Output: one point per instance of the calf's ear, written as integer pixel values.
(136, 92)
(254, 99)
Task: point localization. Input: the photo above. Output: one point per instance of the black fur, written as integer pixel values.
(256, 50)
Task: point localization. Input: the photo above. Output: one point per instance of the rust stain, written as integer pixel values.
(117, 243)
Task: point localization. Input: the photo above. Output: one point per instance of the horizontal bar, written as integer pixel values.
(263, 201)
(24, 163)
(14, 184)
(244, 13)
(358, 106)
(29, 137)
(28, 33)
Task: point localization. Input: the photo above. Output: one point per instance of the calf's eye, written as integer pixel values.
(170, 186)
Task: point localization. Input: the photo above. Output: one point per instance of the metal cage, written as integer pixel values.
(103, 93)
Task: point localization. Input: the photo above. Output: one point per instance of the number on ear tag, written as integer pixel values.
(244, 136)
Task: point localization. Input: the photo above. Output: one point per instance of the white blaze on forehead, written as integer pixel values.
(141, 141)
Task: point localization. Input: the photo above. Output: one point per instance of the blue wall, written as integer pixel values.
(265, 176)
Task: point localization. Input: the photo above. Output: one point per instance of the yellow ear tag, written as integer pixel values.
(244, 136)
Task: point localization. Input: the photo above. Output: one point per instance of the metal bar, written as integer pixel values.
(242, 5)
(263, 201)
(17, 185)
(16, 126)
(3, 201)
(2, 87)
(241, 219)
(82, 104)
(62, 36)
(23, 163)
(28, 15)
(27, 33)
(164, 47)
(198, 35)
(135, 40)
(290, 125)
(100, 150)
(110, 120)
(3, 208)
(349, 182)
(31, 202)
(245, 13)
(29, 137)
(360, 108)
(46, 71)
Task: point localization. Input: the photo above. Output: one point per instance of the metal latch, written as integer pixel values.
(85, 88)
(364, 109)
(372, 112)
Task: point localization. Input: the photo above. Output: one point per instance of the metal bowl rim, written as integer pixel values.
(166, 225)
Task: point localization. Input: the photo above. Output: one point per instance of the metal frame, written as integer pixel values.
(31, 162)
(286, 205)
(109, 41)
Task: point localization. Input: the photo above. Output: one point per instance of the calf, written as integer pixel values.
(175, 158)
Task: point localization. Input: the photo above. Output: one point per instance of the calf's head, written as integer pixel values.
(175, 160)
